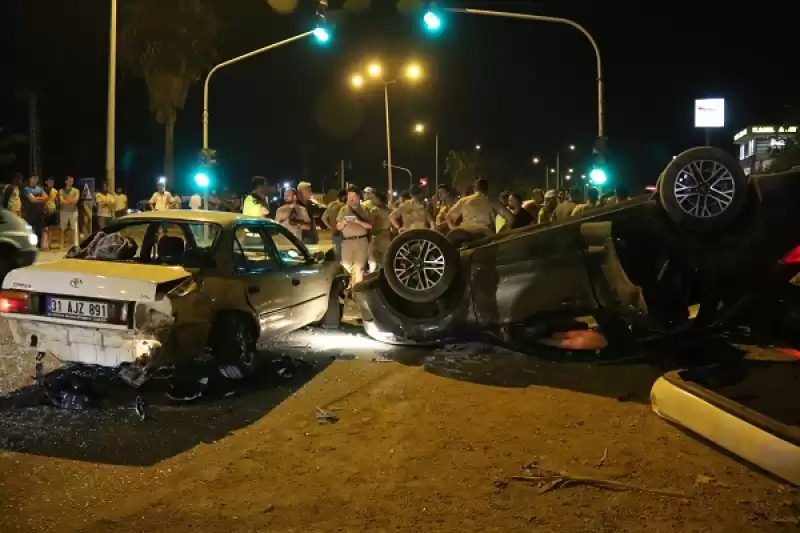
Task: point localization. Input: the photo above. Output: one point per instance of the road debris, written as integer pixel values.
(140, 408)
(324, 417)
(549, 480)
(602, 460)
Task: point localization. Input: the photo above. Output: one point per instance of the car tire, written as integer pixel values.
(703, 189)
(332, 319)
(233, 342)
(408, 251)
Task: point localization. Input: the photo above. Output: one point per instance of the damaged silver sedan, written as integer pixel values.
(161, 288)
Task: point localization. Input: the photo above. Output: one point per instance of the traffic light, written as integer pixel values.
(208, 157)
(201, 179)
(432, 19)
(599, 174)
(322, 33)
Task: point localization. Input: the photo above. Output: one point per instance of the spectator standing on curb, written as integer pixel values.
(120, 203)
(68, 211)
(105, 206)
(50, 212)
(34, 200)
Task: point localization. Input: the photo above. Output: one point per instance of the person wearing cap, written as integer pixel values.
(313, 210)
(475, 216)
(413, 213)
(369, 197)
(353, 222)
(548, 207)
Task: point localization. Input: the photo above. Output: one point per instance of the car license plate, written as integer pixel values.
(77, 309)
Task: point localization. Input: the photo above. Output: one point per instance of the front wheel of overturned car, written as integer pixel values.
(703, 189)
(233, 343)
(420, 265)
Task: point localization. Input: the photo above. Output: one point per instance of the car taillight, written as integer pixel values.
(13, 302)
(792, 258)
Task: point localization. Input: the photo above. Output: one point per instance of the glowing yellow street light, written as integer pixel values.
(413, 71)
(419, 127)
(478, 147)
(374, 70)
(357, 80)
(572, 147)
(535, 160)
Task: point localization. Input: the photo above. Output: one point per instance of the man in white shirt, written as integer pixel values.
(161, 199)
(120, 204)
(105, 206)
(196, 202)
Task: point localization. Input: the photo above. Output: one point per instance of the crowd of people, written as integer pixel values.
(46, 207)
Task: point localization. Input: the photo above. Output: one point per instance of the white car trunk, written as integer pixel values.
(103, 280)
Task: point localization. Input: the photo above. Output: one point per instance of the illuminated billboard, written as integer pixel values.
(709, 113)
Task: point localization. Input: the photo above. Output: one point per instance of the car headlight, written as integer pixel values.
(33, 239)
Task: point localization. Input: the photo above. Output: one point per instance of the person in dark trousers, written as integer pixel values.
(329, 218)
(314, 211)
(33, 203)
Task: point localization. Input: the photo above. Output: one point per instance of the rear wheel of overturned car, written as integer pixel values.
(233, 342)
(420, 265)
(703, 189)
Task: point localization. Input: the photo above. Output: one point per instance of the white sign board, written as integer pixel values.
(709, 113)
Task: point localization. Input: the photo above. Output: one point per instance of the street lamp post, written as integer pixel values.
(419, 128)
(413, 72)
(236, 60)
(112, 100)
(433, 23)
(404, 169)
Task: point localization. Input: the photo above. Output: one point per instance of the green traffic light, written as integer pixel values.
(598, 176)
(201, 179)
(322, 35)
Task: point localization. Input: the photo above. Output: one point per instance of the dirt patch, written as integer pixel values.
(411, 451)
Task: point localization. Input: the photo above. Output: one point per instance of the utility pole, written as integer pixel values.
(112, 101)
(341, 172)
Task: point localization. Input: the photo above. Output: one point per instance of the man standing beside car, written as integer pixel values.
(412, 214)
(68, 213)
(353, 222)
(292, 215)
(381, 230)
(475, 216)
(305, 201)
(329, 220)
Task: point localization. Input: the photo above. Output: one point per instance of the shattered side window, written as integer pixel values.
(251, 251)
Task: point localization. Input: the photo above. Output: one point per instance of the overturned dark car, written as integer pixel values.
(707, 235)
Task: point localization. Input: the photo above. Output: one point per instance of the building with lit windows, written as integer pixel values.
(758, 145)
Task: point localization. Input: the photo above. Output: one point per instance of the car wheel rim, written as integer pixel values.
(245, 353)
(705, 189)
(419, 265)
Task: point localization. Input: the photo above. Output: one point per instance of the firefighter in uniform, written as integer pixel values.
(413, 213)
(381, 230)
(475, 216)
(353, 222)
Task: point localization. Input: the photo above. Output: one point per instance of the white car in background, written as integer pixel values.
(18, 243)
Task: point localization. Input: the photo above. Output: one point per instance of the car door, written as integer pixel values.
(309, 279)
(269, 290)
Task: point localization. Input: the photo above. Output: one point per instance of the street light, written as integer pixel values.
(357, 80)
(412, 71)
(162, 180)
(419, 129)
(572, 147)
(478, 147)
(535, 160)
(432, 22)
(569, 171)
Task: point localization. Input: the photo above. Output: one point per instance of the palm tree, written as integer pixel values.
(169, 44)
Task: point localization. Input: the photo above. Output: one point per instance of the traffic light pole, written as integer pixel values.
(236, 60)
(557, 20)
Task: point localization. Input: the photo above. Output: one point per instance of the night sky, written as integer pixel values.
(520, 89)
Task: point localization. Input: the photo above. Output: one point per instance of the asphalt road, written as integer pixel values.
(426, 442)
